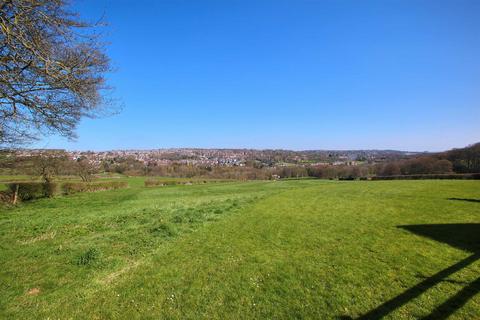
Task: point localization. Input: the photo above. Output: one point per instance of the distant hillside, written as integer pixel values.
(464, 160)
(229, 157)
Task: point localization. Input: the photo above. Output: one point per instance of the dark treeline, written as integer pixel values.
(465, 160)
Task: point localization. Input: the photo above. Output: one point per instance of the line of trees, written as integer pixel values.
(422, 165)
(47, 165)
(465, 160)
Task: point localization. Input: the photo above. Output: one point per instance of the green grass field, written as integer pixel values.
(267, 250)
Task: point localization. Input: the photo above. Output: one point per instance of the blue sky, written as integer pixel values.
(299, 74)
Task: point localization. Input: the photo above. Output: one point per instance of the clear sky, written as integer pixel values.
(298, 74)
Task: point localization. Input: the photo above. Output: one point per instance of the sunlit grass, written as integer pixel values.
(293, 249)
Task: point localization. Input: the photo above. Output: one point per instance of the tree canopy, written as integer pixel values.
(52, 70)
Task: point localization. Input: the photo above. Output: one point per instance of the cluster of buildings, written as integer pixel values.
(225, 157)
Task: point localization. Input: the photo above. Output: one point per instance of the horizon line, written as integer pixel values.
(222, 148)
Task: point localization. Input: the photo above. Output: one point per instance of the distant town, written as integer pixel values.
(229, 157)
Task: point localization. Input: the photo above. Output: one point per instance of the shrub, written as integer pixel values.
(75, 187)
(346, 178)
(153, 183)
(33, 190)
(6, 197)
(50, 189)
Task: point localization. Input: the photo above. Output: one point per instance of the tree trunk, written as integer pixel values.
(15, 194)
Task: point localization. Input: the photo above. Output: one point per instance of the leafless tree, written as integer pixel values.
(52, 70)
(45, 165)
(85, 169)
(391, 169)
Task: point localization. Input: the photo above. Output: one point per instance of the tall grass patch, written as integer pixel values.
(88, 258)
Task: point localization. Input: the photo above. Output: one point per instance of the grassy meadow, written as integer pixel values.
(240, 250)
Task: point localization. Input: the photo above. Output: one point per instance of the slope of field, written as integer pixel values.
(290, 249)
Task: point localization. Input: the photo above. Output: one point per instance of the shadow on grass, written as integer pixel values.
(464, 199)
(462, 236)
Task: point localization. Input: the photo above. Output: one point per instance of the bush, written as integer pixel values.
(6, 197)
(153, 183)
(75, 187)
(50, 189)
(346, 178)
(33, 190)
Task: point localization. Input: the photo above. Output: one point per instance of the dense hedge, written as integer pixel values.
(75, 187)
(158, 183)
(33, 190)
(469, 176)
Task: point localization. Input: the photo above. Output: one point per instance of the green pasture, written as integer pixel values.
(298, 249)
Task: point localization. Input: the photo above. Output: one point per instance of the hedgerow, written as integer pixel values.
(468, 176)
(76, 187)
(32, 190)
(159, 183)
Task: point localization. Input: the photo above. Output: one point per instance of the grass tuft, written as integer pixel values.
(89, 257)
(164, 230)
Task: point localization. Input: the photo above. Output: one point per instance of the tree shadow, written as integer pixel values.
(465, 199)
(462, 236)
(456, 302)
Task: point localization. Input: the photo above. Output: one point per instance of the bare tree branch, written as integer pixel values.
(52, 70)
